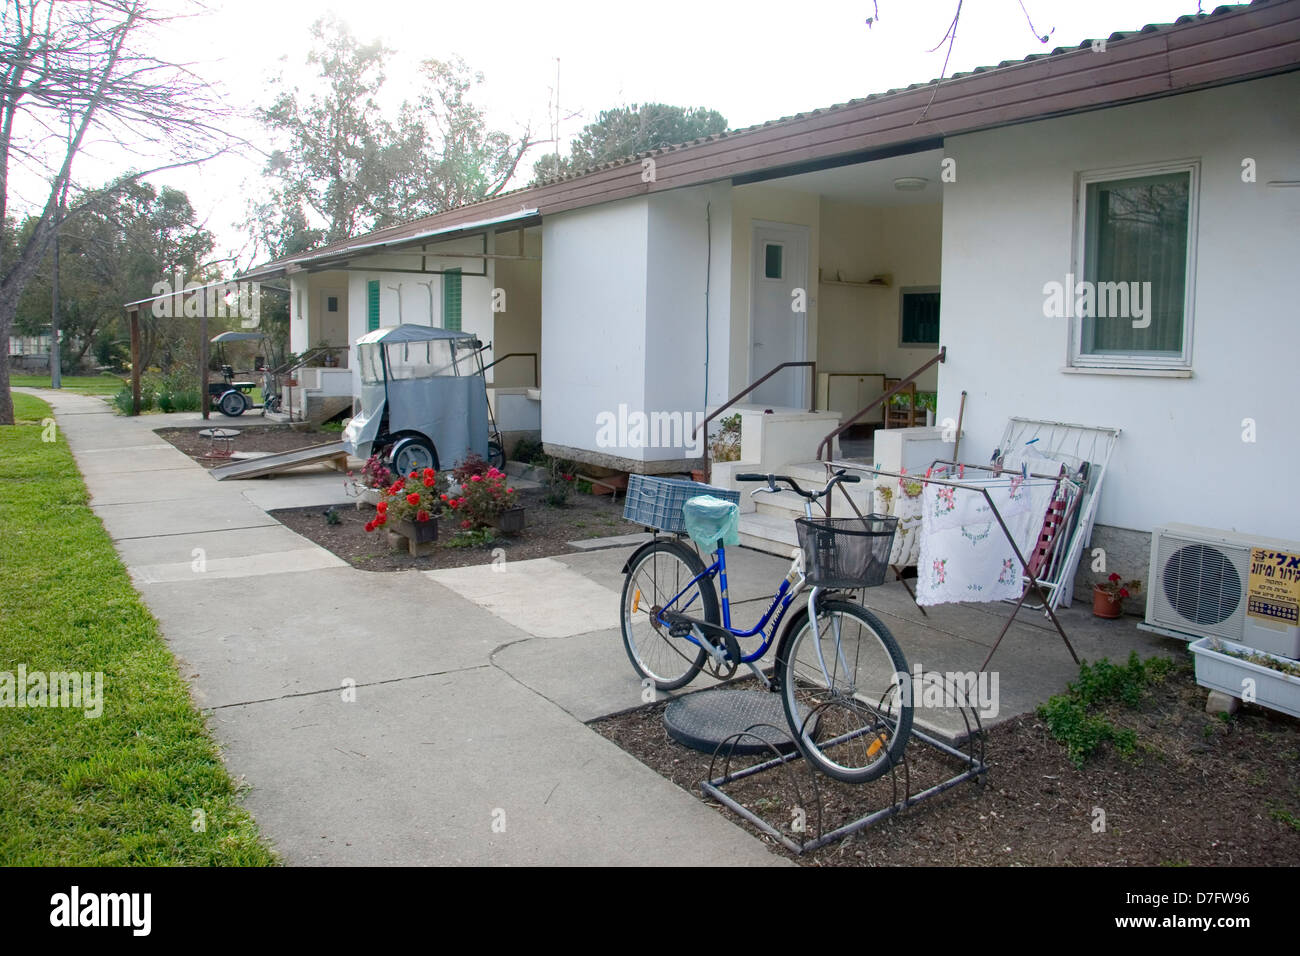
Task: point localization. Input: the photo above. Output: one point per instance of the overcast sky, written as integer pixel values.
(752, 61)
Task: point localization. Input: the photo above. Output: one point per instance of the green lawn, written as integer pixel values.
(121, 788)
(83, 384)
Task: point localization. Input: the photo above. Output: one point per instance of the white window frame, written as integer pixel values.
(1135, 360)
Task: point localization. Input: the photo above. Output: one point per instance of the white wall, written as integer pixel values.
(1008, 225)
(593, 316)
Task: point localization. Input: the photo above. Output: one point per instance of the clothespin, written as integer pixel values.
(1024, 470)
(961, 471)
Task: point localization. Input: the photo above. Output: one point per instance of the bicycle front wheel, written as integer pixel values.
(657, 579)
(841, 692)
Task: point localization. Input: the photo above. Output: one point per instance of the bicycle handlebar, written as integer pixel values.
(839, 476)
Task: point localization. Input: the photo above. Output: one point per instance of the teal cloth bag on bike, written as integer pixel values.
(709, 519)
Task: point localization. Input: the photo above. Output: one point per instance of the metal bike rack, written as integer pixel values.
(971, 760)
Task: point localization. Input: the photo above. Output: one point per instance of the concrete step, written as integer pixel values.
(774, 534)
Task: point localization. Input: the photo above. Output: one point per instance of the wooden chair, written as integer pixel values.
(901, 416)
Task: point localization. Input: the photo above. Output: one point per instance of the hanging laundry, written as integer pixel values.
(964, 554)
(902, 499)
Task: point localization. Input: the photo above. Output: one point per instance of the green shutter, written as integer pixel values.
(451, 300)
(372, 305)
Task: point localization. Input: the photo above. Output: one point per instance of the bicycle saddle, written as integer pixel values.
(710, 520)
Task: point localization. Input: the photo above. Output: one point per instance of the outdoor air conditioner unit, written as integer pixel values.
(1240, 587)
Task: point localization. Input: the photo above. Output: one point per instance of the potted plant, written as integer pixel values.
(487, 499)
(409, 509)
(1108, 596)
(1252, 675)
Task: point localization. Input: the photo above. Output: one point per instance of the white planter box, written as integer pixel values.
(1223, 672)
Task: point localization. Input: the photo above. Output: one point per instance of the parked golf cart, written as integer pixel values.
(423, 399)
(232, 398)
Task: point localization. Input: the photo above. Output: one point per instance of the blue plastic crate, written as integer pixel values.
(657, 502)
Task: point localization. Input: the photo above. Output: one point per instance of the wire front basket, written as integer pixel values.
(846, 553)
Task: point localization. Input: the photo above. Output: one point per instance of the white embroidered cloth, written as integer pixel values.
(964, 555)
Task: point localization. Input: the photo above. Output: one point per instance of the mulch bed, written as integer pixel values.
(547, 532)
(259, 437)
(1200, 790)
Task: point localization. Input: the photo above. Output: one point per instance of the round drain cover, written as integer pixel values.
(218, 433)
(704, 720)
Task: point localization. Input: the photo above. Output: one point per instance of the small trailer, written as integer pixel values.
(423, 399)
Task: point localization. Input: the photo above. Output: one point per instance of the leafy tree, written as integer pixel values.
(627, 130)
(118, 244)
(70, 69)
(345, 168)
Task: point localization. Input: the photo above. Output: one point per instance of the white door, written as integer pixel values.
(334, 317)
(778, 300)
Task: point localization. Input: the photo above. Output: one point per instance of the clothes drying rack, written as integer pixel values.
(1030, 568)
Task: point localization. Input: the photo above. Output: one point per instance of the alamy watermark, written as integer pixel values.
(176, 298)
(1100, 300)
(638, 429)
(77, 690)
(977, 690)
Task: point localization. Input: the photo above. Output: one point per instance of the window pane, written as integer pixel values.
(1136, 234)
(920, 318)
(772, 260)
(451, 296)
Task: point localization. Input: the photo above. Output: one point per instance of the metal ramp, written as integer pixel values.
(332, 452)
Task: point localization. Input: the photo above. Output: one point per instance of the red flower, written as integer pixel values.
(510, 491)
(370, 526)
(1123, 592)
(429, 473)
(422, 515)
(381, 519)
(428, 482)
(396, 488)
(412, 474)
(382, 507)
(1113, 577)
(467, 524)
(475, 477)
(568, 477)
(443, 497)
(413, 499)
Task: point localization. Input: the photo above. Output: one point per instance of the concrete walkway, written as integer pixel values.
(386, 718)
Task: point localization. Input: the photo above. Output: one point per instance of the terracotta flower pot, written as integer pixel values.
(1105, 604)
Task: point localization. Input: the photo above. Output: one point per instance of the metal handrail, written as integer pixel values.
(828, 442)
(532, 355)
(739, 395)
(306, 357)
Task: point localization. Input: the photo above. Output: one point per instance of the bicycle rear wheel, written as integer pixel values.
(656, 575)
(841, 694)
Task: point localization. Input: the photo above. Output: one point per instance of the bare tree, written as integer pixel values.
(75, 73)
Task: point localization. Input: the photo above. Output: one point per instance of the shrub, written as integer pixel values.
(559, 482)
(122, 400)
(482, 498)
(472, 464)
(529, 451)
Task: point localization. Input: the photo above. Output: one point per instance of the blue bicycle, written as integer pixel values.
(842, 682)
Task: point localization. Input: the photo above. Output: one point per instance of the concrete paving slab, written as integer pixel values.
(137, 461)
(215, 545)
(751, 575)
(317, 488)
(418, 771)
(541, 597)
(185, 516)
(254, 565)
(312, 630)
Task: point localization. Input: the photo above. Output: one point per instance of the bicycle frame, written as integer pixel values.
(775, 613)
